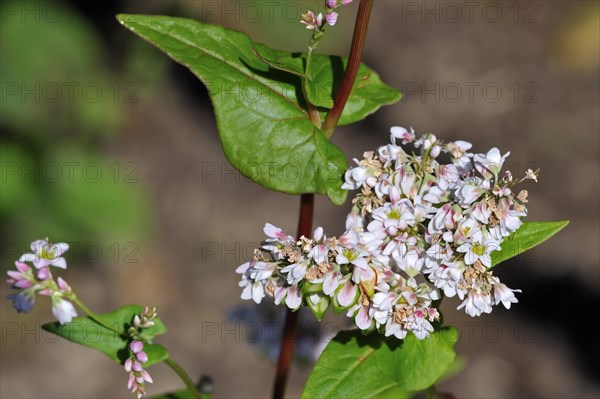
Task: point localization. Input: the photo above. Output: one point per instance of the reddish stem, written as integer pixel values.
(288, 336)
(358, 43)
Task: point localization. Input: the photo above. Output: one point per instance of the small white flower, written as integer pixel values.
(477, 303)
(45, 254)
(411, 263)
(490, 164)
(470, 192)
(479, 251)
(63, 310)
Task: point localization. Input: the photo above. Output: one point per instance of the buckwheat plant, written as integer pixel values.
(430, 218)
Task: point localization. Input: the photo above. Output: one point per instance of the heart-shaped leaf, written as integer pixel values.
(359, 366)
(265, 131)
(107, 334)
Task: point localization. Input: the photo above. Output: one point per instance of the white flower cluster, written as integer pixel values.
(419, 226)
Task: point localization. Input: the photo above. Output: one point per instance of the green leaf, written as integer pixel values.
(368, 94)
(354, 365)
(108, 334)
(394, 393)
(529, 235)
(265, 131)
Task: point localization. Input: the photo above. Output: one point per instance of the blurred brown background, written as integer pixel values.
(166, 220)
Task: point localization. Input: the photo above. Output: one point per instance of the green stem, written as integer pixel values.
(184, 377)
(93, 316)
(312, 47)
(358, 43)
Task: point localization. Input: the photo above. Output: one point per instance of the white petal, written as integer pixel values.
(59, 262)
(38, 245)
(59, 248)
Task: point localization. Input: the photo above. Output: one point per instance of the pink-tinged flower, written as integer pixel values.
(45, 254)
(481, 212)
(331, 18)
(363, 318)
(276, 233)
(403, 134)
(348, 294)
(510, 219)
(63, 310)
(505, 295)
(331, 3)
(346, 2)
(477, 303)
(311, 20)
(470, 192)
(419, 325)
(490, 164)
(331, 282)
(293, 299)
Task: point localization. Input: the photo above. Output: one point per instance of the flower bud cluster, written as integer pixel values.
(422, 224)
(39, 280)
(143, 320)
(316, 21)
(134, 364)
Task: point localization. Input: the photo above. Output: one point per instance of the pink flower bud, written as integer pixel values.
(331, 3)
(22, 267)
(131, 381)
(142, 356)
(62, 284)
(136, 346)
(43, 274)
(16, 276)
(146, 376)
(136, 321)
(332, 18)
(128, 364)
(23, 284)
(137, 366)
(346, 2)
